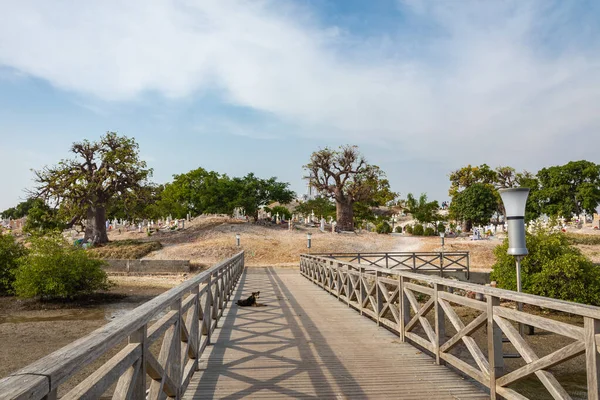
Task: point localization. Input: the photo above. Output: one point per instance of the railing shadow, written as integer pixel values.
(248, 335)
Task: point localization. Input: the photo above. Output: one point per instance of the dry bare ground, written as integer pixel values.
(207, 240)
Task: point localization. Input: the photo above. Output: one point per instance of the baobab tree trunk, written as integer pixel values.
(95, 226)
(467, 225)
(344, 216)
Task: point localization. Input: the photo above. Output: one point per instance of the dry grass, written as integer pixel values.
(481, 251)
(274, 245)
(125, 249)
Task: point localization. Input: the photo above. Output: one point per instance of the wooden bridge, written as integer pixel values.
(310, 341)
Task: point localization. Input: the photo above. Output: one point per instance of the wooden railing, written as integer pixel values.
(185, 318)
(439, 261)
(417, 308)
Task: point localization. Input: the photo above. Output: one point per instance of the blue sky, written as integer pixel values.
(422, 87)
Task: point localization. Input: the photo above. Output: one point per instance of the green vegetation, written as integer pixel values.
(383, 227)
(553, 268)
(345, 176)
(10, 252)
(422, 210)
(281, 210)
(320, 206)
(429, 231)
(574, 239)
(84, 187)
(200, 191)
(54, 269)
(418, 230)
(398, 229)
(475, 204)
(408, 229)
(124, 249)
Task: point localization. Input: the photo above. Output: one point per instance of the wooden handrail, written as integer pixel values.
(42, 378)
(389, 297)
(456, 261)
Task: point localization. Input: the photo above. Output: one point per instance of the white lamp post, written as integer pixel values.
(442, 236)
(514, 200)
(308, 240)
(237, 239)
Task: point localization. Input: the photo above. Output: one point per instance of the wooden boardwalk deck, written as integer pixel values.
(307, 344)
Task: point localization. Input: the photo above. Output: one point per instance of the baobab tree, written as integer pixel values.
(82, 188)
(345, 176)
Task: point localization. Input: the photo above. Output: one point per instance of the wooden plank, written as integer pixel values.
(97, 383)
(592, 359)
(552, 359)
(418, 288)
(561, 328)
(463, 301)
(494, 342)
(307, 344)
(547, 379)
(63, 363)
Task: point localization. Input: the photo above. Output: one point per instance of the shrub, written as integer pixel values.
(553, 269)
(408, 229)
(441, 227)
(52, 269)
(383, 227)
(429, 231)
(418, 230)
(398, 229)
(10, 252)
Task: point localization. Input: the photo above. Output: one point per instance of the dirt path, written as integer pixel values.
(407, 243)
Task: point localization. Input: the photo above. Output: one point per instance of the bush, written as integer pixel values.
(429, 231)
(10, 252)
(441, 227)
(52, 269)
(383, 227)
(418, 230)
(553, 269)
(408, 229)
(398, 229)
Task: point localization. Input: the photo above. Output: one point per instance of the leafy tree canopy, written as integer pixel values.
(552, 268)
(83, 187)
(569, 189)
(476, 203)
(321, 206)
(422, 210)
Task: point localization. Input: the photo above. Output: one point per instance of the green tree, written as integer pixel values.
(252, 192)
(552, 268)
(466, 177)
(320, 206)
(10, 252)
(569, 189)
(53, 269)
(283, 212)
(42, 219)
(475, 204)
(20, 210)
(84, 187)
(422, 210)
(344, 176)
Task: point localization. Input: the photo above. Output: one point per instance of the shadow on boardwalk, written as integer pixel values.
(305, 344)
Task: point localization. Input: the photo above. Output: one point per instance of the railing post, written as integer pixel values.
(441, 264)
(338, 275)
(591, 327)
(387, 261)
(208, 312)
(175, 366)
(414, 257)
(349, 290)
(378, 296)
(404, 310)
(495, 355)
(361, 291)
(468, 264)
(440, 320)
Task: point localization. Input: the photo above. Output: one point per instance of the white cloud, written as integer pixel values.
(479, 83)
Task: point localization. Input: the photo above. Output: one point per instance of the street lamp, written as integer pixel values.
(237, 239)
(308, 240)
(514, 200)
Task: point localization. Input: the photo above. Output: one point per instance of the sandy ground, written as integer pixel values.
(31, 329)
